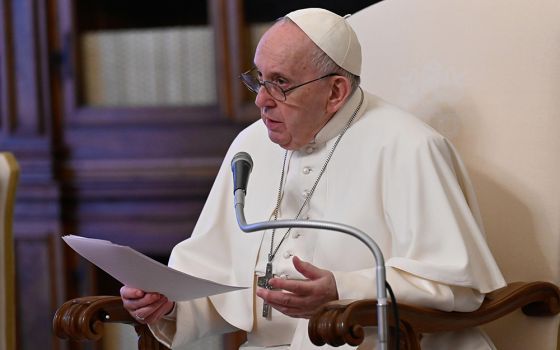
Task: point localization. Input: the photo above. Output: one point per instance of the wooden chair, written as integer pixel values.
(336, 323)
(9, 173)
(342, 322)
(83, 318)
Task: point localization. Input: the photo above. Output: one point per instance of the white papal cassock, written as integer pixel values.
(391, 176)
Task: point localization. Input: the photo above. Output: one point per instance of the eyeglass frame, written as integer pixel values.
(265, 82)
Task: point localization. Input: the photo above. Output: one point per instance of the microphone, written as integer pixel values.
(241, 166)
(243, 160)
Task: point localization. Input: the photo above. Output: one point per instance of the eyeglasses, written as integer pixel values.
(253, 83)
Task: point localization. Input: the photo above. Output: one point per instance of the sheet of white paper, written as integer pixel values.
(137, 270)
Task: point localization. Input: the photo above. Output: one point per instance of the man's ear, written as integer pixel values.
(340, 90)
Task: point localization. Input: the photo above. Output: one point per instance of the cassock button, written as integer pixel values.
(306, 170)
(309, 150)
(287, 254)
(296, 234)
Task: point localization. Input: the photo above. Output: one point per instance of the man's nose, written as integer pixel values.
(263, 98)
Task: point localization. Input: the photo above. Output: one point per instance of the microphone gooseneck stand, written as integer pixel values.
(239, 202)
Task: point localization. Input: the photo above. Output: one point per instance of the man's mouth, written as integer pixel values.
(272, 124)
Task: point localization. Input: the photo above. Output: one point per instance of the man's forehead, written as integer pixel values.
(283, 49)
(286, 37)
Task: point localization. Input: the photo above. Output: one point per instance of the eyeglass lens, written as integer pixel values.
(254, 84)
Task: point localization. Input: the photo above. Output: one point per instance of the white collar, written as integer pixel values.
(338, 121)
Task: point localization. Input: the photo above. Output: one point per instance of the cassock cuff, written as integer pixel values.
(409, 289)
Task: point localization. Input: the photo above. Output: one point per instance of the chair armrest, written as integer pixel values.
(83, 319)
(342, 322)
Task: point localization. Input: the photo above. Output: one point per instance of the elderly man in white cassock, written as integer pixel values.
(324, 149)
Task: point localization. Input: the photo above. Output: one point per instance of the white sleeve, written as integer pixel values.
(435, 231)
(189, 321)
(408, 289)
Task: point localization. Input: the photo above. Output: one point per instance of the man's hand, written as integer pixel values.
(145, 307)
(300, 298)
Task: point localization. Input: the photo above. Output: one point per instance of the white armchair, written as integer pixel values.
(487, 75)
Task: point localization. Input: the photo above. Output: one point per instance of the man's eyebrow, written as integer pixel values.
(275, 74)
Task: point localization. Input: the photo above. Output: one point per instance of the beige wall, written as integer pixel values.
(487, 75)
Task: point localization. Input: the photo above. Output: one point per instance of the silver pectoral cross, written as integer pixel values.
(263, 283)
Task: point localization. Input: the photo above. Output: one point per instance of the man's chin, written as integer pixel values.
(279, 141)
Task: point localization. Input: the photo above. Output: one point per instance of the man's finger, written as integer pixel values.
(290, 311)
(145, 312)
(131, 293)
(308, 270)
(147, 300)
(299, 287)
(284, 299)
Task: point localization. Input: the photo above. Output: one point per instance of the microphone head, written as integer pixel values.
(242, 157)
(241, 166)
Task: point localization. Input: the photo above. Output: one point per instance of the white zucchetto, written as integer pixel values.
(332, 34)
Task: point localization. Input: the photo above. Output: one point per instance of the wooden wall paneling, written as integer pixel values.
(39, 264)
(25, 80)
(137, 176)
(6, 69)
(25, 114)
(183, 143)
(78, 114)
(44, 98)
(30, 75)
(143, 185)
(152, 212)
(66, 57)
(118, 116)
(219, 21)
(240, 60)
(40, 280)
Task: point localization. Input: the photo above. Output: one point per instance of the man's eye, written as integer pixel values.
(281, 81)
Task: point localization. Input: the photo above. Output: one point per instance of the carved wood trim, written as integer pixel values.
(84, 318)
(342, 322)
(83, 115)
(144, 169)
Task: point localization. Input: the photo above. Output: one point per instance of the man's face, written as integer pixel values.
(283, 57)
